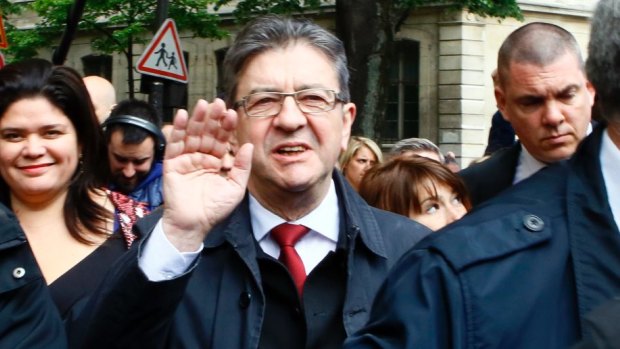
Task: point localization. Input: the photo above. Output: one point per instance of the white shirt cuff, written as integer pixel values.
(160, 260)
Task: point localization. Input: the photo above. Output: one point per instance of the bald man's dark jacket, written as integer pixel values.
(490, 177)
(520, 271)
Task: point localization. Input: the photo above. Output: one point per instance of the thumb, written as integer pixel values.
(240, 172)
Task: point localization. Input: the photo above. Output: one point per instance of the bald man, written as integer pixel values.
(102, 94)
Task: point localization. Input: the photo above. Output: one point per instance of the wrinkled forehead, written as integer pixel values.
(288, 68)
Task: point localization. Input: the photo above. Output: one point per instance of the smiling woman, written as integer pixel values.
(51, 175)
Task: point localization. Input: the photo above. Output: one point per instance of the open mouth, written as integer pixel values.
(292, 150)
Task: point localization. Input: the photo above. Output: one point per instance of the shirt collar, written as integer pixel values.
(324, 219)
(528, 165)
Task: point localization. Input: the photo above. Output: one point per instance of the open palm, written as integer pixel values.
(197, 193)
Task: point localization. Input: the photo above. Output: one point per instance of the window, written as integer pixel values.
(100, 65)
(219, 57)
(402, 118)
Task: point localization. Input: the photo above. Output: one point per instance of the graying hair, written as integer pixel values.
(536, 43)
(603, 65)
(416, 144)
(271, 32)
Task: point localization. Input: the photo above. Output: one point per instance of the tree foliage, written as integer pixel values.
(117, 24)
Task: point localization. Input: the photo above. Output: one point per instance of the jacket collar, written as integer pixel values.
(358, 220)
(594, 236)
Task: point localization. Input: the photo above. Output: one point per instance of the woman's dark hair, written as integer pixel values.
(63, 87)
(392, 185)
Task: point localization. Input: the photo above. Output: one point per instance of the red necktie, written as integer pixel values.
(287, 235)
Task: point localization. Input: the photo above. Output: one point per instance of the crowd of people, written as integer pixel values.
(259, 221)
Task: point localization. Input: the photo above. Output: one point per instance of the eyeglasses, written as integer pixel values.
(268, 104)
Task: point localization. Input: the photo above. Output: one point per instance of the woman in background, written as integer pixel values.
(362, 153)
(417, 187)
(52, 170)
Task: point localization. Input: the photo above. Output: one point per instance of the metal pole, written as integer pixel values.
(156, 96)
(162, 13)
(73, 18)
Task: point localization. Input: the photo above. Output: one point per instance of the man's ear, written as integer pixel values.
(348, 117)
(500, 101)
(591, 92)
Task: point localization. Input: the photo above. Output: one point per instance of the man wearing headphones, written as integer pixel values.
(135, 148)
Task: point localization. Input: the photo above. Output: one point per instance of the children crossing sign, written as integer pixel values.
(163, 57)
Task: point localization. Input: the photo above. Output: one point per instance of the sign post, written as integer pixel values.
(163, 57)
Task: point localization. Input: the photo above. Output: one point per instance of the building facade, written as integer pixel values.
(441, 86)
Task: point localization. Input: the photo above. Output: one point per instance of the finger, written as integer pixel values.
(219, 130)
(226, 132)
(203, 126)
(175, 144)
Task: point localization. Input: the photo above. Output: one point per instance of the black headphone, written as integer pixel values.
(146, 125)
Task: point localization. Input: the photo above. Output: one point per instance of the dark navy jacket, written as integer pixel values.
(490, 177)
(28, 317)
(219, 303)
(521, 271)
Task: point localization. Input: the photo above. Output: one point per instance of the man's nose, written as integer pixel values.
(290, 116)
(129, 170)
(552, 114)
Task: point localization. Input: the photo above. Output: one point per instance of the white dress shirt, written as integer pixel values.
(160, 260)
(528, 165)
(323, 221)
(610, 166)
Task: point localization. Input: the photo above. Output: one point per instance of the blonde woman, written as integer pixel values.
(362, 153)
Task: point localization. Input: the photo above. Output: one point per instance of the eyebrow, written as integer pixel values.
(131, 158)
(299, 88)
(564, 90)
(45, 127)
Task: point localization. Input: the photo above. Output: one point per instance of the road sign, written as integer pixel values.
(164, 57)
(3, 42)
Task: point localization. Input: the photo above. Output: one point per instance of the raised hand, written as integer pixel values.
(197, 193)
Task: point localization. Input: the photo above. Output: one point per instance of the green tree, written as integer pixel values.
(367, 28)
(118, 24)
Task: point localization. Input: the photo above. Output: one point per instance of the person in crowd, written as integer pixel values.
(136, 146)
(451, 163)
(362, 153)
(51, 177)
(546, 97)
(526, 269)
(252, 287)
(30, 319)
(416, 187)
(102, 94)
(418, 146)
(501, 134)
